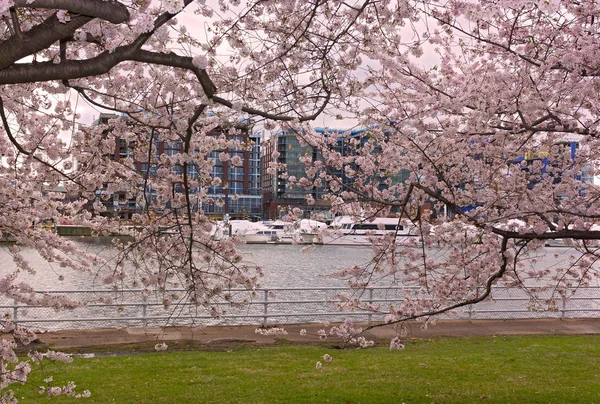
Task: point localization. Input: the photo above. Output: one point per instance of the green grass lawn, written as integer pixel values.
(522, 369)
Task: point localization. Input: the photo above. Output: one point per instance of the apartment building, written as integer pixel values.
(239, 193)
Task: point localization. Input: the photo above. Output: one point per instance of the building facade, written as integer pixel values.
(238, 194)
(240, 190)
(279, 195)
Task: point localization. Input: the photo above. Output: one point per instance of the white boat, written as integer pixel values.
(345, 230)
(303, 231)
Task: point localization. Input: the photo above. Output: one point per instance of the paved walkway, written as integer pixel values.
(247, 334)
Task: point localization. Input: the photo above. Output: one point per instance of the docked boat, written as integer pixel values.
(346, 230)
(304, 231)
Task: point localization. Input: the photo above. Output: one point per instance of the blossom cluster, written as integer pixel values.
(271, 331)
(17, 370)
(161, 347)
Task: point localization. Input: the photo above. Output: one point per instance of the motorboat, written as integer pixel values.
(303, 231)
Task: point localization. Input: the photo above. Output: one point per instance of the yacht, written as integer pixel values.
(304, 231)
(346, 230)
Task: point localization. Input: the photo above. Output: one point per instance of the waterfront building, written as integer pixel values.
(569, 148)
(238, 195)
(541, 166)
(279, 194)
(240, 190)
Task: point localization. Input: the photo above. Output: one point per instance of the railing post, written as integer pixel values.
(563, 308)
(470, 311)
(15, 312)
(370, 303)
(144, 308)
(266, 308)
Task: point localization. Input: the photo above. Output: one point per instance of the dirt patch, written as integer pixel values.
(218, 345)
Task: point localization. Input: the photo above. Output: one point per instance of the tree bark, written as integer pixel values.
(39, 38)
(111, 11)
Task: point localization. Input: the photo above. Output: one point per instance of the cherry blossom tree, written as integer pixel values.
(171, 81)
(271, 61)
(493, 109)
(475, 101)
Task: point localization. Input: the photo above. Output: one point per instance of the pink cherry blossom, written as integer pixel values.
(161, 347)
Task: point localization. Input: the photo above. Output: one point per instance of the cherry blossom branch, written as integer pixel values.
(278, 117)
(9, 132)
(480, 297)
(38, 38)
(111, 11)
(292, 31)
(550, 235)
(106, 61)
(20, 148)
(187, 149)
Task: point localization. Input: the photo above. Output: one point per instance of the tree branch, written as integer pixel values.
(39, 38)
(15, 22)
(174, 60)
(480, 297)
(31, 154)
(111, 11)
(9, 132)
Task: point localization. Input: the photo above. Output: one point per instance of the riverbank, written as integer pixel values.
(248, 335)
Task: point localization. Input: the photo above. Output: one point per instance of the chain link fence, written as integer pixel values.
(275, 306)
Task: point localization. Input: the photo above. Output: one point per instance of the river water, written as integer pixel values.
(283, 265)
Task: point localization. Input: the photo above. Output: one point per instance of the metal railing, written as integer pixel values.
(274, 306)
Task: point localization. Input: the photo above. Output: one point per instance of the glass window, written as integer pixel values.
(235, 187)
(171, 149)
(144, 169)
(192, 171)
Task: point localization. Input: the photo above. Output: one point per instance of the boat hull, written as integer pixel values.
(364, 240)
(278, 239)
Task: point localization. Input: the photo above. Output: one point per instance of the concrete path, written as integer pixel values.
(247, 334)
